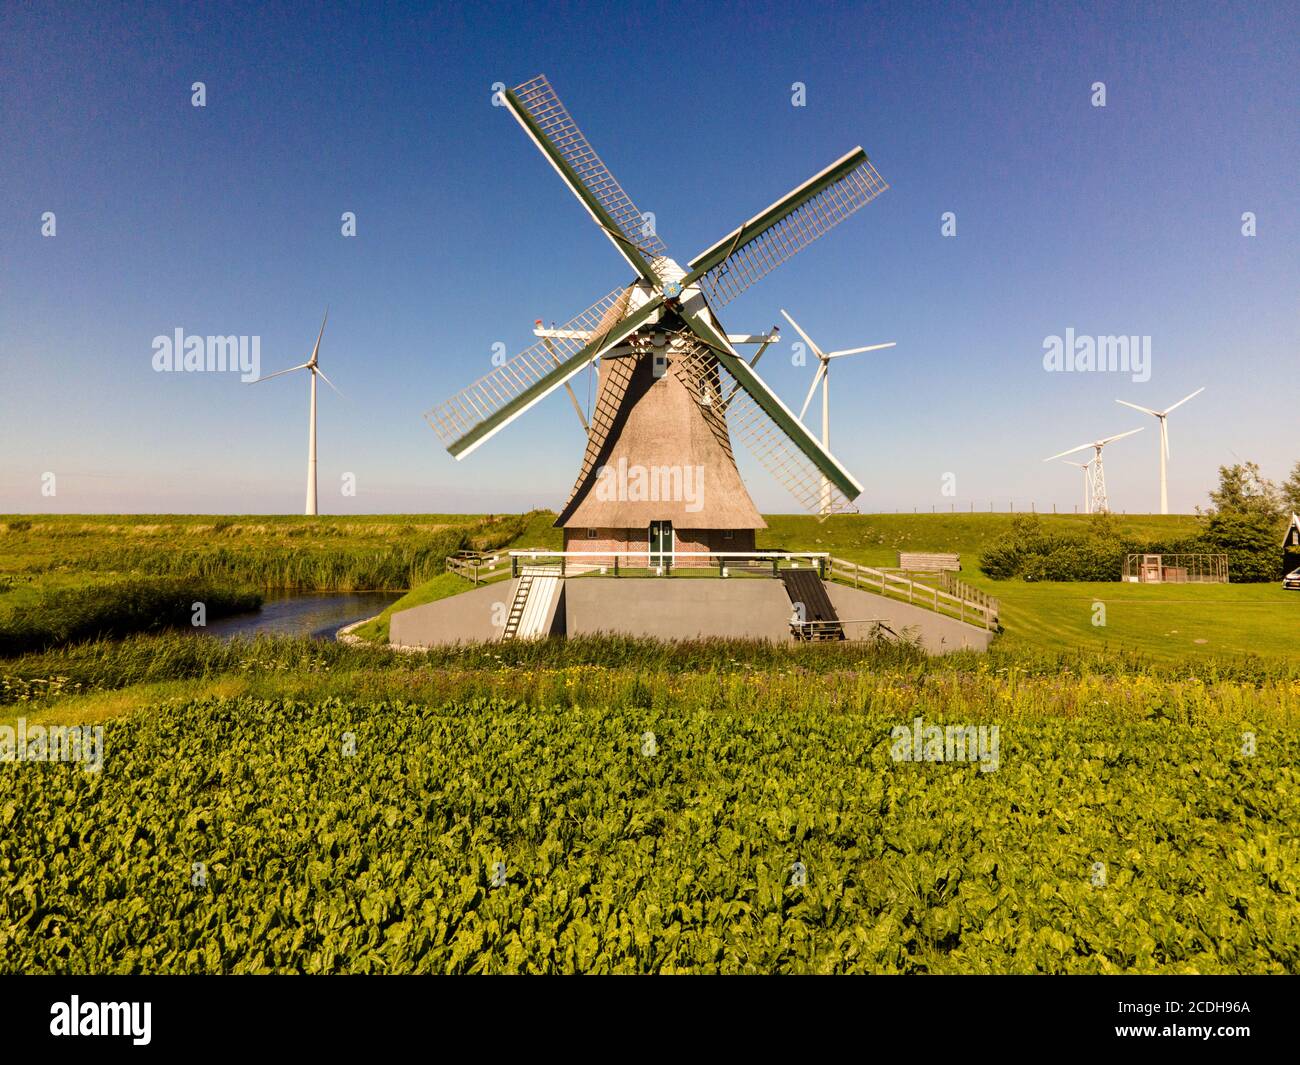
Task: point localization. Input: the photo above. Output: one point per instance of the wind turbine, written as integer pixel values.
(1097, 503)
(823, 376)
(1087, 482)
(316, 371)
(1164, 440)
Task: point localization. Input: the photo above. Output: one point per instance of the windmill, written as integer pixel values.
(1087, 482)
(1161, 416)
(673, 389)
(312, 365)
(823, 376)
(1097, 503)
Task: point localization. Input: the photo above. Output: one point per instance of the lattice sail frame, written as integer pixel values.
(756, 257)
(454, 418)
(540, 101)
(748, 423)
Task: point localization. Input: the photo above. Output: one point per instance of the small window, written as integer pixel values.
(592, 534)
(728, 534)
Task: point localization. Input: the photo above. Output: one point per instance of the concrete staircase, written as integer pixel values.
(533, 604)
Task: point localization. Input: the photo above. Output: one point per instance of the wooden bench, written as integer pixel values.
(919, 562)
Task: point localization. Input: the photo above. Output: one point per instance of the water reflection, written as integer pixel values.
(318, 614)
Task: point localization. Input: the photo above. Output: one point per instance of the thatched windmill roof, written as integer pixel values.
(655, 454)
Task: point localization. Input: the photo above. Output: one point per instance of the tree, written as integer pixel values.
(1245, 522)
(1243, 489)
(1291, 490)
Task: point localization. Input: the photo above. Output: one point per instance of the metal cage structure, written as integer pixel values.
(1176, 569)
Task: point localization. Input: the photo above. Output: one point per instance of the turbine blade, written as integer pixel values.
(315, 351)
(859, 351)
(317, 369)
(1071, 451)
(1185, 399)
(1120, 436)
(799, 329)
(280, 373)
(1164, 436)
(1144, 410)
(821, 369)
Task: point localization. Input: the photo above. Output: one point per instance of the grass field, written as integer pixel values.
(321, 554)
(876, 539)
(1163, 621)
(407, 552)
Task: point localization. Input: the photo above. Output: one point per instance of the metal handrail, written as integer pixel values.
(917, 594)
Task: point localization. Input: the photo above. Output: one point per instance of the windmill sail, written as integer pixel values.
(785, 424)
(758, 432)
(758, 247)
(490, 403)
(547, 120)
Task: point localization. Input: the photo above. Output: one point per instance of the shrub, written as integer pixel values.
(1031, 553)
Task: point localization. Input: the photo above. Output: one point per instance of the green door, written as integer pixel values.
(661, 543)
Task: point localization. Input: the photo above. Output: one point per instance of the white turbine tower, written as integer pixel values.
(823, 376)
(1097, 503)
(316, 371)
(1161, 415)
(1087, 482)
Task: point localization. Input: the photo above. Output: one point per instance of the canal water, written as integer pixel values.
(316, 614)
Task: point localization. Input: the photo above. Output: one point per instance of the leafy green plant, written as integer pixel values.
(487, 836)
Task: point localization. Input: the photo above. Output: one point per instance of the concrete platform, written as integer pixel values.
(681, 608)
(936, 633)
(675, 609)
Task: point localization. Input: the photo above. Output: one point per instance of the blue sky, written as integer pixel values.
(226, 220)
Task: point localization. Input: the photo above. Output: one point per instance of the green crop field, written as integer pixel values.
(488, 836)
(618, 805)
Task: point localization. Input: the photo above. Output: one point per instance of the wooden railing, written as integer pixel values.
(480, 568)
(977, 611)
(958, 587)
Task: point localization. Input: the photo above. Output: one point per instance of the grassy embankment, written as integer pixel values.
(72, 577)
